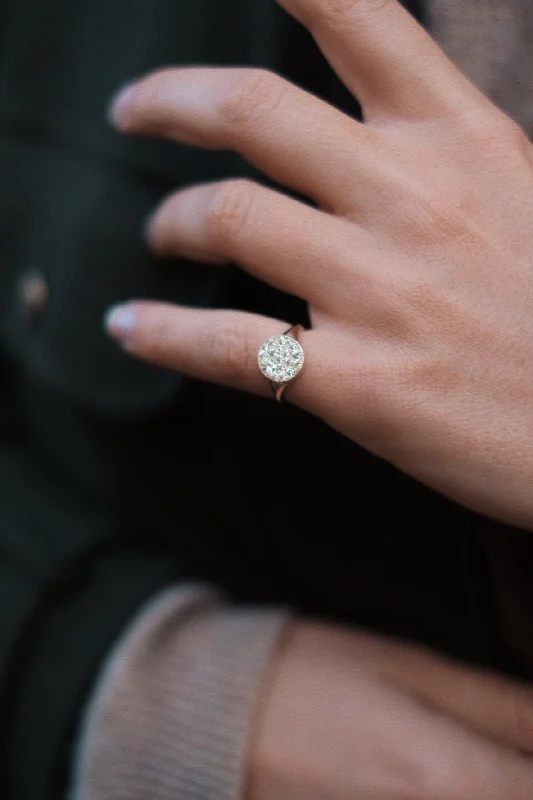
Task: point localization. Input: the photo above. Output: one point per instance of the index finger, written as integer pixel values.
(385, 57)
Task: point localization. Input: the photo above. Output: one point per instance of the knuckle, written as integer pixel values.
(229, 209)
(231, 352)
(442, 214)
(253, 96)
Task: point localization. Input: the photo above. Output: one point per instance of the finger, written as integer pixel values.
(490, 703)
(221, 347)
(296, 248)
(293, 137)
(385, 57)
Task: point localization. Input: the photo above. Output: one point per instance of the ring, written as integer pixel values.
(281, 360)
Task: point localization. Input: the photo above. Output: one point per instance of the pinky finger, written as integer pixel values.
(214, 345)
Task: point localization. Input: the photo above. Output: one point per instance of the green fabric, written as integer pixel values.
(69, 639)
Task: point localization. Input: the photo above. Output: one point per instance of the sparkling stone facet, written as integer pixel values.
(281, 359)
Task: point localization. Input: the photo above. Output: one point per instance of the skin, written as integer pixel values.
(416, 261)
(417, 265)
(353, 717)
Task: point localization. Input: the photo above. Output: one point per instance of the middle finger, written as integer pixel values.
(290, 135)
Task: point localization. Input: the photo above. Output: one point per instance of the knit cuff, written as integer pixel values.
(173, 715)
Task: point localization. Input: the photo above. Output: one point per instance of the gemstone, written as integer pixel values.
(281, 359)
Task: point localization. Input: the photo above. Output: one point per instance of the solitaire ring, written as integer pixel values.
(281, 359)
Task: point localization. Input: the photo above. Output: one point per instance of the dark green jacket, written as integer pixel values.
(116, 477)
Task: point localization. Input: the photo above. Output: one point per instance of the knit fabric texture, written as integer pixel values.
(173, 715)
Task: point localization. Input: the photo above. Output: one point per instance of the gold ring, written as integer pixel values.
(281, 360)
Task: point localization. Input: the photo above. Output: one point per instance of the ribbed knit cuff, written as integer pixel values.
(172, 717)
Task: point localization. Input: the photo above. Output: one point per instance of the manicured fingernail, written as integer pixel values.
(120, 321)
(120, 108)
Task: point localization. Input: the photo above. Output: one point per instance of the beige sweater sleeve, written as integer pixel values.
(172, 716)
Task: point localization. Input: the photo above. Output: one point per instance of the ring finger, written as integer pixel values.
(221, 347)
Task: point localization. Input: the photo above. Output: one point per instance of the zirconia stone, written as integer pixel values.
(281, 359)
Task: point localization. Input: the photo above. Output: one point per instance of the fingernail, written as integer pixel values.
(120, 108)
(120, 321)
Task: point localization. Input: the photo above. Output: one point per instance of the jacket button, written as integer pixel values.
(34, 294)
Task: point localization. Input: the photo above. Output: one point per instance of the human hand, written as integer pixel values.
(418, 265)
(350, 715)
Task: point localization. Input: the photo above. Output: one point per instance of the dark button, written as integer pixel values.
(34, 294)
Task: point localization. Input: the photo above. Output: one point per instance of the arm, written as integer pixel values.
(209, 702)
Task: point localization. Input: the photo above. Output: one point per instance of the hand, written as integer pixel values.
(354, 717)
(417, 265)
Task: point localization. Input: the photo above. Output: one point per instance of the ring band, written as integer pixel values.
(281, 359)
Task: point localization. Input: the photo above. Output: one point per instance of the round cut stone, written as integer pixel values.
(281, 359)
